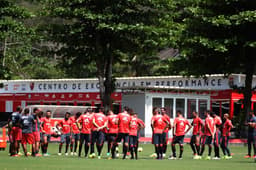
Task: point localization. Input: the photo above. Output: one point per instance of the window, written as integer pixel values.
(225, 107)
(157, 102)
(180, 105)
(202, 108)
(216, 107)
(191, 107)
(168, 104)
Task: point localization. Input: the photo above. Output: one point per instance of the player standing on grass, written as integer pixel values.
(65, 125)
(165, 133)
(15, 131)
(209, 131)
(46, 127)
(251, 134)
(27, 122)
(123, 121)
(158, 124)
(197, 124)
(99, 124)
(179, 130)
(135, 125)
(112, 130)
(227, 126)
(75, 134)
(36, 130)
(217, 136)
(84, 122)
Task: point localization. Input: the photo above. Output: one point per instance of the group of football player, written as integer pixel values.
(212, 130)
(94, 127)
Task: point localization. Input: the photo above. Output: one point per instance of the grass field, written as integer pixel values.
(55, 162)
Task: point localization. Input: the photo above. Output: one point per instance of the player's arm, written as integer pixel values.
(105, 125)
(141, 125)
(42, 126)
(167, 125)
(78, 124)
(189, 127)
(152, 125)
(174, 128)
(95, 124)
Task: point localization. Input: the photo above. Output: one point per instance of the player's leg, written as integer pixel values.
(203, 145)
(108, 136)
(192, 144)
(125, 144)
(161, 143)
(136, 145)
(100, 142)
(131, 146)
(209, 143)
(181, 143)
(72, 143)
(197, 143)
(249, 142)
(173, 147)
(24, 144)
(222, 145)
(115, 144)
(165, 142)
(254, 145)
(94, 138)
(156, 143)
(62, 140)
(31, 142)
(82, 138)
(216, 145)
(226, 146)
(87, 144)
(67, 139)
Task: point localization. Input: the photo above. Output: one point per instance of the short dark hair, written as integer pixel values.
(68, 113)
(155, 108)
(18, 108)
(35, 109)
(48, 111)
(179, 112)
(163, 108)
(78, 114)
(126, 108)
(26, 111)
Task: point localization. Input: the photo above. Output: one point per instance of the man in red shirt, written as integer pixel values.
(84, 123)
(135, 125)
(179, 130)
(123, 121)
(75, 133)
(209, 131)
(158, 123)
(65, 125)
(112, 130)
(165, 133)
(227, 126)
(99, 124)
(46, 128)
(197, 124)
(217, 136)
(36, 130)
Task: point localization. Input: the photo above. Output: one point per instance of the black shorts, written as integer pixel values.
(76, 136)
(133, 140)
(85, 138)
(122, 136)
(165, 137)
(65, 138)
(98, 137)
(207, 140)
(111, 137)
(178, 139)
(158, 138)
(193, 139)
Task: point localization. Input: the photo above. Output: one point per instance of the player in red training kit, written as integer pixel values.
(179, 130)
(99, 124)
(165, 133)
(84, 123)
(112, 130)
(36, 131)
(75, 133)
(197, 124)
(46, 128)
(209, 131)
(135, 125)
(65, 125)
(227, 126)
(158, 123)
(123, 121)
(217, 136)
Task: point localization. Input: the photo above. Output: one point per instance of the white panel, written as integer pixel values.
(9, 106)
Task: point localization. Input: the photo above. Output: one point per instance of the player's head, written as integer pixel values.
(136, 114)
(194, 114)
(19, 109)
(163, 110)
(226, 116)
(36, 110)
(251, 113)
(126, 109)
(77, 115)
(67, 115)
(40, 113)
(110, 112)
(179, 113)
(131, 112)
(213, 114)
(48, 113)
(207, 113)
(155, 110)
(26, 111)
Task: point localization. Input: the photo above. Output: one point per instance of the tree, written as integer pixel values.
(219, 37)
(103, 31)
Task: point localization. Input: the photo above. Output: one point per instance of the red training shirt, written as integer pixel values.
(227, 128)
(86, 121)
(46, 125)
(210, 122)
(66, 126)
(100, 119)
(124, 122)
(112, 124)
(197, 125)
(180, 124)
(159, 123)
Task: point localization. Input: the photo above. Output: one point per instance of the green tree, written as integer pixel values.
(103, 31)
(218, 36)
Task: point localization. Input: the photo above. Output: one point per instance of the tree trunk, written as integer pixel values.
(249, 70)
(108, 84)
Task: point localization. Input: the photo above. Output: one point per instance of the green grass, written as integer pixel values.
(55, 162)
